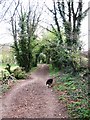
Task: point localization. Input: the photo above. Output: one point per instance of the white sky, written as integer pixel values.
(5, 35)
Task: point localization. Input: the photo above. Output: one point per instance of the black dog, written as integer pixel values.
(49, 82)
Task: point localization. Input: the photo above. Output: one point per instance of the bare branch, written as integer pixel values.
(16, 8)
(61, 12)
(54, 29)
(6, 11)
(69, 11)
(49, 9)
(85, 12)
(47, 29)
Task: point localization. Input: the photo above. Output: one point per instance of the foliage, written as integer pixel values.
(73, 91)
(33, 69)
(15, 73)
(64, 59)
(71, 17)
(76, 95)
(19, 74)
(24, 33)
(42, 58)
(4, 88)
(22, 52)
(53, 71)
(64, 50)
(7, 79)
(7, 55)
(57, 54)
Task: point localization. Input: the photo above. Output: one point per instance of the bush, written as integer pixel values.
(64, 59)
(19, 73)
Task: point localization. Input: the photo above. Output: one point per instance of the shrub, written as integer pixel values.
(19, 73)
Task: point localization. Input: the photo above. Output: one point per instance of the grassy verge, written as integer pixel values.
(73, 90)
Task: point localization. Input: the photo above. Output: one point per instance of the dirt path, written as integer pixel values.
(32, 99)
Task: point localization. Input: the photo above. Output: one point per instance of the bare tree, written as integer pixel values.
(64, 10)
(7, 7)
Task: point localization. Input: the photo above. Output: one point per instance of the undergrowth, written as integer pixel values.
(4, 88)
(73, 90)
(53, 71)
